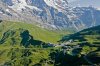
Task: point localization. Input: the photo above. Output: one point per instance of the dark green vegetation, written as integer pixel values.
(90, 36)
(26, 45)
(85, 45)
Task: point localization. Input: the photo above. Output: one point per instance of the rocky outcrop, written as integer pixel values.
(50, 14)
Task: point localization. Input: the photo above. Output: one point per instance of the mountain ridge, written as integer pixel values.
(43, 14)
(86, 36)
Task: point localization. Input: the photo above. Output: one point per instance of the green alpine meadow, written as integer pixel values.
(49, 33)
(23, 44)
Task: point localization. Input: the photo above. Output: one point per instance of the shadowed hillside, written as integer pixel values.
(90, 35)
(19, 37)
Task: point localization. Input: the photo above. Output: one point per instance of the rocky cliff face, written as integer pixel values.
(51, 14)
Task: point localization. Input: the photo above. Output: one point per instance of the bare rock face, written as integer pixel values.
(50, 14)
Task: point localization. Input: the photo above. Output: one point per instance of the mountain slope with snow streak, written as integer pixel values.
(50, 14)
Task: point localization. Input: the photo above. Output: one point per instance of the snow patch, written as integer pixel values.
(21, 4)
(50, 3)
(57, 4)
(7, 10)
(1, 12)
(98, 8)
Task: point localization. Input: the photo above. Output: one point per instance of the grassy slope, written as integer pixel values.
(91, 35)
(88, 39)
(89, 42)
(37, 32)
(8, 55)
(21, 56)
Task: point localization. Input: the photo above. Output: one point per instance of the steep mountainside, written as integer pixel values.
(42, 33)
(51, 14)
